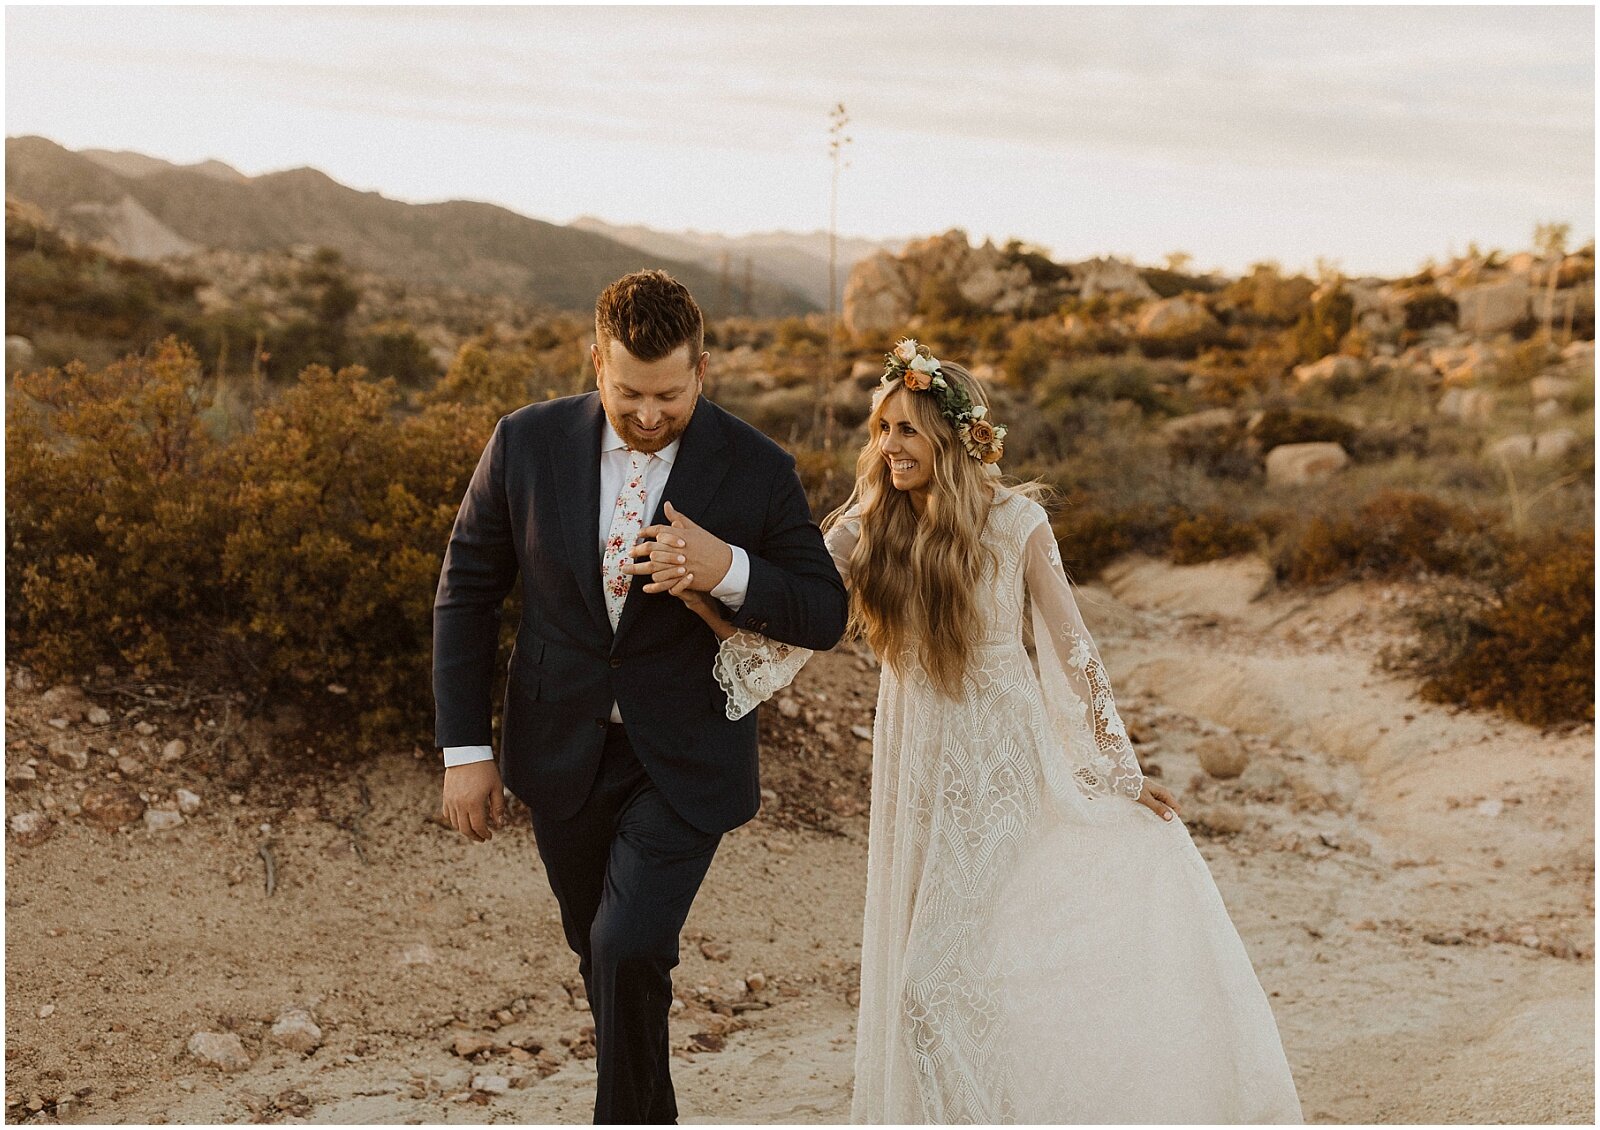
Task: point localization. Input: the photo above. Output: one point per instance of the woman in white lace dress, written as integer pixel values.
(1043, 942)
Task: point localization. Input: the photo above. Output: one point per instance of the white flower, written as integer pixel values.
(939, 382)
(905, 350)
(924, 364)
(978, 411)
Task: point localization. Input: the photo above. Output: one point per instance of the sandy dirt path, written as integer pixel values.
(1414, 885)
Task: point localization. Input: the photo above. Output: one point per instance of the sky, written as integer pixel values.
(1372, 137)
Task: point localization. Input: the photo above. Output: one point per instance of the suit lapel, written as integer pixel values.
(696, 473)
(577, 471)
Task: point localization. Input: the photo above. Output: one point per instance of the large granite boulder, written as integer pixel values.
(1493, 307)
(1295, 464)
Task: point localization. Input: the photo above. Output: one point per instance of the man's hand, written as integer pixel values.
(670, 553)
(473, 802)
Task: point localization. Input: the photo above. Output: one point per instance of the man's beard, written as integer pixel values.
(639, 441)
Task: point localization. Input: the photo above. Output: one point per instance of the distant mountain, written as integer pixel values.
(797, 260)
(147, 208)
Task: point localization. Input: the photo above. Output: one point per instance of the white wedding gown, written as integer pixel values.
(1038, 947)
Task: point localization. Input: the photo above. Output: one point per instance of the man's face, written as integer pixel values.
(648, 402)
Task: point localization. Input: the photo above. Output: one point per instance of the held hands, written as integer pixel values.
(681, 555)
(1159, 799)
(473, 802)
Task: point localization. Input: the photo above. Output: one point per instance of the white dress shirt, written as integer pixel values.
(613, 466)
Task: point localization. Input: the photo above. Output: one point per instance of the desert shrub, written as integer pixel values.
(393, 349)
(1393, 533)
(493, 377)
(1265, 297)
(1093, 531)
(1280, 425)
(1428, 306)
(1033, 344)
(1210, 535)
(114, 523)
(1321, 328)
(1221, 451)
(1523, 644)
(1107, 378)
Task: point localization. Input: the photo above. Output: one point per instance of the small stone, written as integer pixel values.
(297, 1030)
(188, 802)
(491, 1084)
(162, 819)
(292, 1103)
(21, 774)
(144, 729)
(98, 716)
(852, 997)
(756, 982)
(64, 700)
(69, 753)
(23, 679)
(1222, 819)
(780, 847)
(418, 953)
(222, 1050)
(675, 1007)
(716, 951)
(130, 766)
(470, 1044)
(1529, 940)
(788, 707)
(1490, 807)
(111, 806)
(768, 796)
(862, 732)
(505, 1016)
(58, 723)
(1222, 755)
(46, 1011)
(31, 828)
(174, 750)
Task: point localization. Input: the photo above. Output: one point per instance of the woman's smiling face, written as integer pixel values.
(908, 452)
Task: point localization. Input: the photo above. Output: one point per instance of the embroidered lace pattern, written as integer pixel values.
(1036, 947)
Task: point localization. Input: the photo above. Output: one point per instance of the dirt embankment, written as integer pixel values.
(1414, 885)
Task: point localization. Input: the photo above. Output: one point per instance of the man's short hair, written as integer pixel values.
(651, 314)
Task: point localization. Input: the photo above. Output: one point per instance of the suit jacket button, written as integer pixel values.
(616, 663)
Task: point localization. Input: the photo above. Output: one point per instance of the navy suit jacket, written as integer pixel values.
(532, 509)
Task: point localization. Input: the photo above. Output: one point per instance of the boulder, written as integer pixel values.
(1202, 421)
(19, 353)
(1493, 307)
(878, 299)
(1334, 366)
(1467, 404)
(1174, 317)
(1222, 755)
(1511, 447)
(1294, 464)
(111, 806)
(296, 1030)
(1554, 443)
(222, 1050)
(1548, 388)
(1110, 277)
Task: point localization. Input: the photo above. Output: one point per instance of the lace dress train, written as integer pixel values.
(1037, 946)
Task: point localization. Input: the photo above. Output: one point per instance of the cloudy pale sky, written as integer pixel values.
(1374, 136)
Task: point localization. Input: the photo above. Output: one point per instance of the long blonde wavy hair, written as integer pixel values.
(915, 577)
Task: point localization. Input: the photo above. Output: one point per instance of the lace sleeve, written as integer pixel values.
(1076, 686)
(752, 668)
(841, 541)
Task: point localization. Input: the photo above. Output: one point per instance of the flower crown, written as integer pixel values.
(916, 367)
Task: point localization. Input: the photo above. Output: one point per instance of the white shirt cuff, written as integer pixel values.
(731, 589)
(466, 755)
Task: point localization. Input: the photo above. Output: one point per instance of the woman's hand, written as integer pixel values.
(698, 602)
(1159, 799)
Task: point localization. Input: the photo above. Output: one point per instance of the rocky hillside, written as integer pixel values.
(796, 260)
(148, 209)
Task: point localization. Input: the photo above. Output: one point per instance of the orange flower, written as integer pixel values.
(981, 431)
(992, 454)
(917, 380)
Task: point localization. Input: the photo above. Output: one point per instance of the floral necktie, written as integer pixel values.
(627, 517)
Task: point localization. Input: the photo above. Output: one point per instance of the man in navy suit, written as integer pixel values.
(614, 733)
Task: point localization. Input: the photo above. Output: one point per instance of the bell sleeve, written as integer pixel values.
(750, 667)
(1077, 690)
